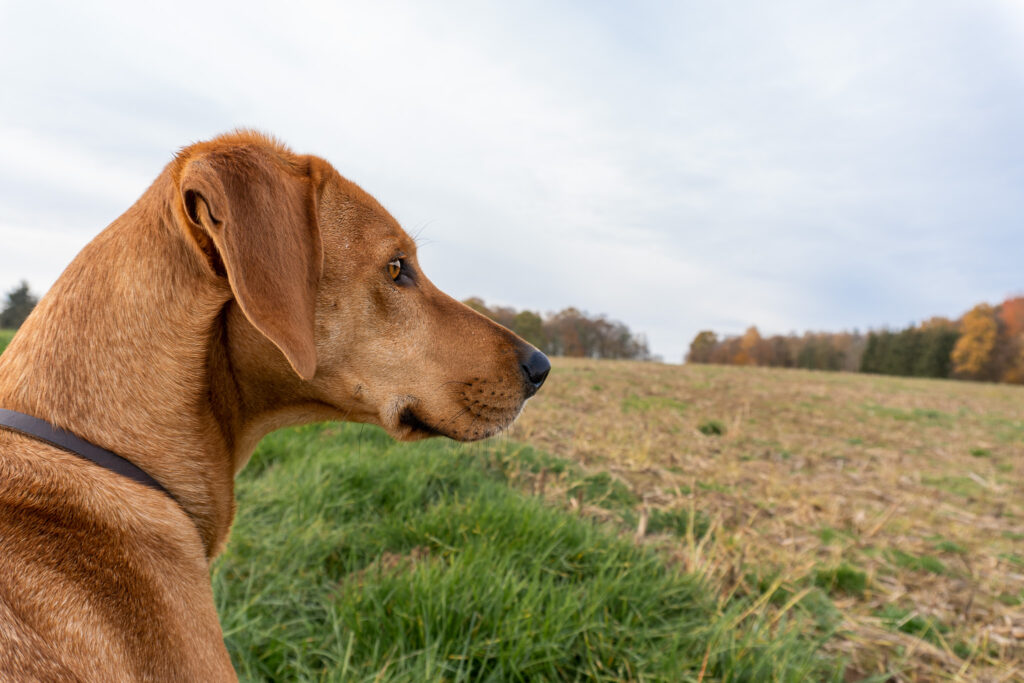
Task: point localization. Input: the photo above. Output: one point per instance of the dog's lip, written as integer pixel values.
(413, 422)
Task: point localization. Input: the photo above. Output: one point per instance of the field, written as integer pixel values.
(645, 522)
(902, 500)
(357, 559)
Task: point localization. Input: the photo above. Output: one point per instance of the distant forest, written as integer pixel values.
(986, 343)
(569, 332)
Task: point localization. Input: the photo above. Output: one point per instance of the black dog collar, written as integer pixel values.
(44, 431)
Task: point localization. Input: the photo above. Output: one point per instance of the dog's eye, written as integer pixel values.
(395, 269)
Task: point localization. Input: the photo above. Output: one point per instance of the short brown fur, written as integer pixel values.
(245, 291)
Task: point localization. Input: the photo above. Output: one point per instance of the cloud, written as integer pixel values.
(794, 165)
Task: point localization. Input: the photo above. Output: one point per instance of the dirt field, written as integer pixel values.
(902, 498)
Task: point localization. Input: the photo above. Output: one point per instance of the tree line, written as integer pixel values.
(986, 343)
(570, 332)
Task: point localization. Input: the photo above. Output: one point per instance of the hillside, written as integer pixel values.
(902, 498)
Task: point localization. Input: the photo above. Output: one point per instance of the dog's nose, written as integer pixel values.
(536, 369)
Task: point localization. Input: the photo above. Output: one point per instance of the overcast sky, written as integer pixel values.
(678, 166)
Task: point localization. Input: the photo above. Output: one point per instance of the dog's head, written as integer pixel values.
(333, 308)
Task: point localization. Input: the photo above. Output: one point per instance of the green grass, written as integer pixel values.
(916, 563)
(842, 579)
(926, 416)
(961, 486)
(679, 522)
(357, 559)
(643, 404)
(951, 547)
(832, 536)
(605, 491)
(711, 428)
(1015, 560)
(1012, 600)
(907, 621)
(671, 521)
(5, 339)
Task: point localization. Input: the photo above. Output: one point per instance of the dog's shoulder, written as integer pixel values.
(25, 655)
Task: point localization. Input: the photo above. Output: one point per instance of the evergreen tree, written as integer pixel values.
(20, 302)
(938, 337)
(869, 361)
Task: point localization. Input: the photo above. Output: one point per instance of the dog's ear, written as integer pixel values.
(255, 218)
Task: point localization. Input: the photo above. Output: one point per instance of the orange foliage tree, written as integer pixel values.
(750, 347)
(1011, 323)
(1011, 314)
(973, 353)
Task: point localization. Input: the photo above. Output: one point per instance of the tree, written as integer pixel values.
(850, 346)
(702, 347)
(869, 361)
(938, 338)
(782, 351)
(569, 332)
(1010, 347)
(20, 302)
(1011, 314)
(750, 352)
(972, 355)
(530, 327)
(817, 351)
(478, 305)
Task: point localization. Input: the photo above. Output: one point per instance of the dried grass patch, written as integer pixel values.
(919, 484)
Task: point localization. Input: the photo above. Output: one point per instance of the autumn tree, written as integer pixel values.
(1013, 372)
(973, 353)
(1011, 314)
(782, 351)
(1009, 352)
(702, 347)
(749, 347)
(851, 347)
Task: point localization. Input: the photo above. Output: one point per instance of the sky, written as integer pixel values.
(678, 166)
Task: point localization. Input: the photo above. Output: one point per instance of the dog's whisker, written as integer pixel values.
(454, 381)
(451, 419)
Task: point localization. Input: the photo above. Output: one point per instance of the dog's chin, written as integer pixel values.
(412, 427)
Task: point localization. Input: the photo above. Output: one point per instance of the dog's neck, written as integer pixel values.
(133, 355)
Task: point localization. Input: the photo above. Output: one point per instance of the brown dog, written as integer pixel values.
(248, 289)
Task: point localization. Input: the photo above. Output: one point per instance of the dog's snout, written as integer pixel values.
(536, 368)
